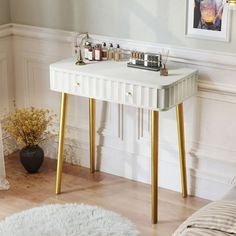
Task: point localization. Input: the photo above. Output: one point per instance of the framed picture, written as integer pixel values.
(208, 19)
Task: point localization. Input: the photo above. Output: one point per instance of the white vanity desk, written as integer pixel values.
(115, 82)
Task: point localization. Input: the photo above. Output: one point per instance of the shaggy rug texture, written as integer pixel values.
(67, 220)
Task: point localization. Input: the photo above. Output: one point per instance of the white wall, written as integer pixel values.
(7, 87)
(123, 133)
(159, 21)
(4, 12)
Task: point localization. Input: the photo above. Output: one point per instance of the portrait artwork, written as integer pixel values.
(207, 19)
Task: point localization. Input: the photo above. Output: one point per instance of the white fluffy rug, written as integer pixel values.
(67, 220)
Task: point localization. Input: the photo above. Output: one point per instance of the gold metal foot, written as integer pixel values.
(64, 98)
(154, 143)
(92, 133)
(180, 126)
(80, 63)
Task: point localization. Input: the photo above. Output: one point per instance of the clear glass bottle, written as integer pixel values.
(133, 58)
(91, 54)
(86, 49)
(117, 53)
(98, 52)
(111, 52)
(104, 52)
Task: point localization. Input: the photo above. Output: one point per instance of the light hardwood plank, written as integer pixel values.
(128, 198)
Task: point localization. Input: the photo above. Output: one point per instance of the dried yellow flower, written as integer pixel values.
(29, 125)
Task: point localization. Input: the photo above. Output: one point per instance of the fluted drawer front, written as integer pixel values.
(157, 93)
(179, 92)
(108, 90)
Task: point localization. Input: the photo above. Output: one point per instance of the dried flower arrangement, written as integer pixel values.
(29, 126)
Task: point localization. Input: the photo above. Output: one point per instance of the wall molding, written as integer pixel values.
(5, 30)
(221, 88)
(29, 44)
(193, 57)
(4, 84)
(206, 58)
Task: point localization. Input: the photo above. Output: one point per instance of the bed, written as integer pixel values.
(216, 219)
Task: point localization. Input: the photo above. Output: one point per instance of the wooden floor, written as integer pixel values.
(128, 198)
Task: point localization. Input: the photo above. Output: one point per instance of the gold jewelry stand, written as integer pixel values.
(154, 147)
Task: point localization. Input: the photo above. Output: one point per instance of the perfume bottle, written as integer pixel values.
(86, 49)
(98, 52)
(91, 54)
(111, 52)
(104, 52)
(133, 58)
(117, 53)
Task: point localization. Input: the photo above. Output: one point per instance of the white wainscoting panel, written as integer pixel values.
(123, 133)
(4, 101)
(7, 99)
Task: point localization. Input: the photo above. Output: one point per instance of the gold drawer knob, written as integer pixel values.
(129, 94)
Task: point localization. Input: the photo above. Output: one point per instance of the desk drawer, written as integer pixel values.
(122, 92)
(102, 89)
(69, 83)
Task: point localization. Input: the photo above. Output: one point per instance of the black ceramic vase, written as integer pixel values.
(32, 158)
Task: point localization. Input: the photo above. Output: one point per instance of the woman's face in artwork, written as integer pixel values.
(208, 10)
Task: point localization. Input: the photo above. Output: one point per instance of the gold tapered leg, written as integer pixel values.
(180, 126)
(92, 133)
(154, 141)
(64, 98)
